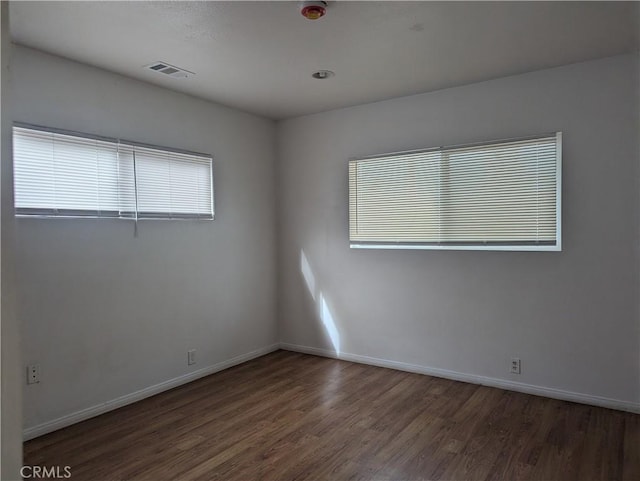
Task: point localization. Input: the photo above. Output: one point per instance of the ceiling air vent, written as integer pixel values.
(169, 70)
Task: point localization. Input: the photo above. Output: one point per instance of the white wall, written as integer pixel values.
(572, 317)
(11, 394)
(106, 314)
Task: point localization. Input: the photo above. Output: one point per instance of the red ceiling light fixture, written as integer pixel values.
(313, 10)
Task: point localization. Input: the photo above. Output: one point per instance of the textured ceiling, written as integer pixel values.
(259, 56)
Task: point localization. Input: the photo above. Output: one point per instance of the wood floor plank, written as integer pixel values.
(289, 416)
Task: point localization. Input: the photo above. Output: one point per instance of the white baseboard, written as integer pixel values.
(471, 378)
(107, 406)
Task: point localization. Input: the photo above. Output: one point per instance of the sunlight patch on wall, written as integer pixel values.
(329, 323)
(323, 311)
(309, 278)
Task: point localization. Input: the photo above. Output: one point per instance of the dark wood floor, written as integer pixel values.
(289, 416)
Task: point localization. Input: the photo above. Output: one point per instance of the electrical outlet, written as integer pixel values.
(191, 357)
(33, 374)
(515, 365)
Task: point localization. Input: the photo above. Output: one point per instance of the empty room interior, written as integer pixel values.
(344, 240)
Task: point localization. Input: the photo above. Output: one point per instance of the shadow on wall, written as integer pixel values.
(323, 312)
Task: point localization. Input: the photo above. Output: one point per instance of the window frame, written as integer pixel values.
(44, 213)
(471, 246)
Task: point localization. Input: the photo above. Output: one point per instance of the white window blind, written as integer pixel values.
(61, 174)
(503, 195)
(56, 174)
(171, 184)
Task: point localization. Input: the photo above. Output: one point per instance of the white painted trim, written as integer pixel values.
(76, 417)
(470, 378)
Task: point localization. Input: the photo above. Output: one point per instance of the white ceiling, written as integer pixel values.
(259, 56)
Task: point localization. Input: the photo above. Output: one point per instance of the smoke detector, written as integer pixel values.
(313, 10)
(169, 70)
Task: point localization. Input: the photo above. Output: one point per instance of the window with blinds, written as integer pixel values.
(500, 196)
(68, 175)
